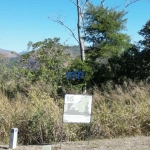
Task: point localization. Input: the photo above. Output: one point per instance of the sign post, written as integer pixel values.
(77, 109)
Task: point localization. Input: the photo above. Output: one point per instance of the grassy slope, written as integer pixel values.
(116, 113)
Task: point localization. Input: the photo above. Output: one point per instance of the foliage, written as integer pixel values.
(77, 64)
(132, 64)
(104, 32)
(103, 28)
(145, 32)
(75, 85)
(120, 112)
(46, 63)
(29, 87)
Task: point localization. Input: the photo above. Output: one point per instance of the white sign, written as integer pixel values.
(77, 108)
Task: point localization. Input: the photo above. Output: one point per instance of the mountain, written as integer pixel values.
(8, 53)
(16, 58)
(24, 52)
(74, 51)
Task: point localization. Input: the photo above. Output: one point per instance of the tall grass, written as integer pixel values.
(123, 111)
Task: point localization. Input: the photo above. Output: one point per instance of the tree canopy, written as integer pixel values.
(104, 30)
(145, 32)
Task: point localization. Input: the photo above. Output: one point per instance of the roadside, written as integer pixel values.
(131, 143)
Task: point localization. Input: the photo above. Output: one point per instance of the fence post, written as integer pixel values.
(13, 138)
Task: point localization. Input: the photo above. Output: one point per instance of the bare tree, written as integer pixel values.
(129, 2)
(80, 13)
(81, 4)
(102, 2)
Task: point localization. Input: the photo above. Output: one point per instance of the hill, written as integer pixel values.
(8, 53)
(74, 51)
(32, 63)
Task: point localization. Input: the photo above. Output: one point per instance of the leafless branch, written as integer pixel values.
(128, 3)
(84, 6)
(66, 41)
(102, 3)
(59, 21)
(74, 3)
(81, 4)
(82, 13)
(116, 7)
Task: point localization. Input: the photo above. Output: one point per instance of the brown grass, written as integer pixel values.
(119, 112)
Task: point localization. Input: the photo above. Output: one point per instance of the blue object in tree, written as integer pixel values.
(75, 75)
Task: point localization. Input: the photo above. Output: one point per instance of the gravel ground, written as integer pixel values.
(131, 143)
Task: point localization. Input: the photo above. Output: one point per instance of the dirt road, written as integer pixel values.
(132, 143)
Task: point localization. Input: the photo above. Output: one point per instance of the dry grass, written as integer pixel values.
(115, 113)
(121, 112)
(35, 118)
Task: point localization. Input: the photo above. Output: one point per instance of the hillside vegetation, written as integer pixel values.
(32, 88)
(115, 113)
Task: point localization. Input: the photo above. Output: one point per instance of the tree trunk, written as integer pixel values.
(81, 43)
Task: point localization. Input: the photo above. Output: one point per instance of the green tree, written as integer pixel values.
(46, 63)
(145, 32)
(77, 65)
(104, 33)
(145, 47)
(127, 65)
(103, 29)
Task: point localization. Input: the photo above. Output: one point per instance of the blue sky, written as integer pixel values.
(22, 21)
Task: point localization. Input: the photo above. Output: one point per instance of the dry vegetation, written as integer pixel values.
(116, 113)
